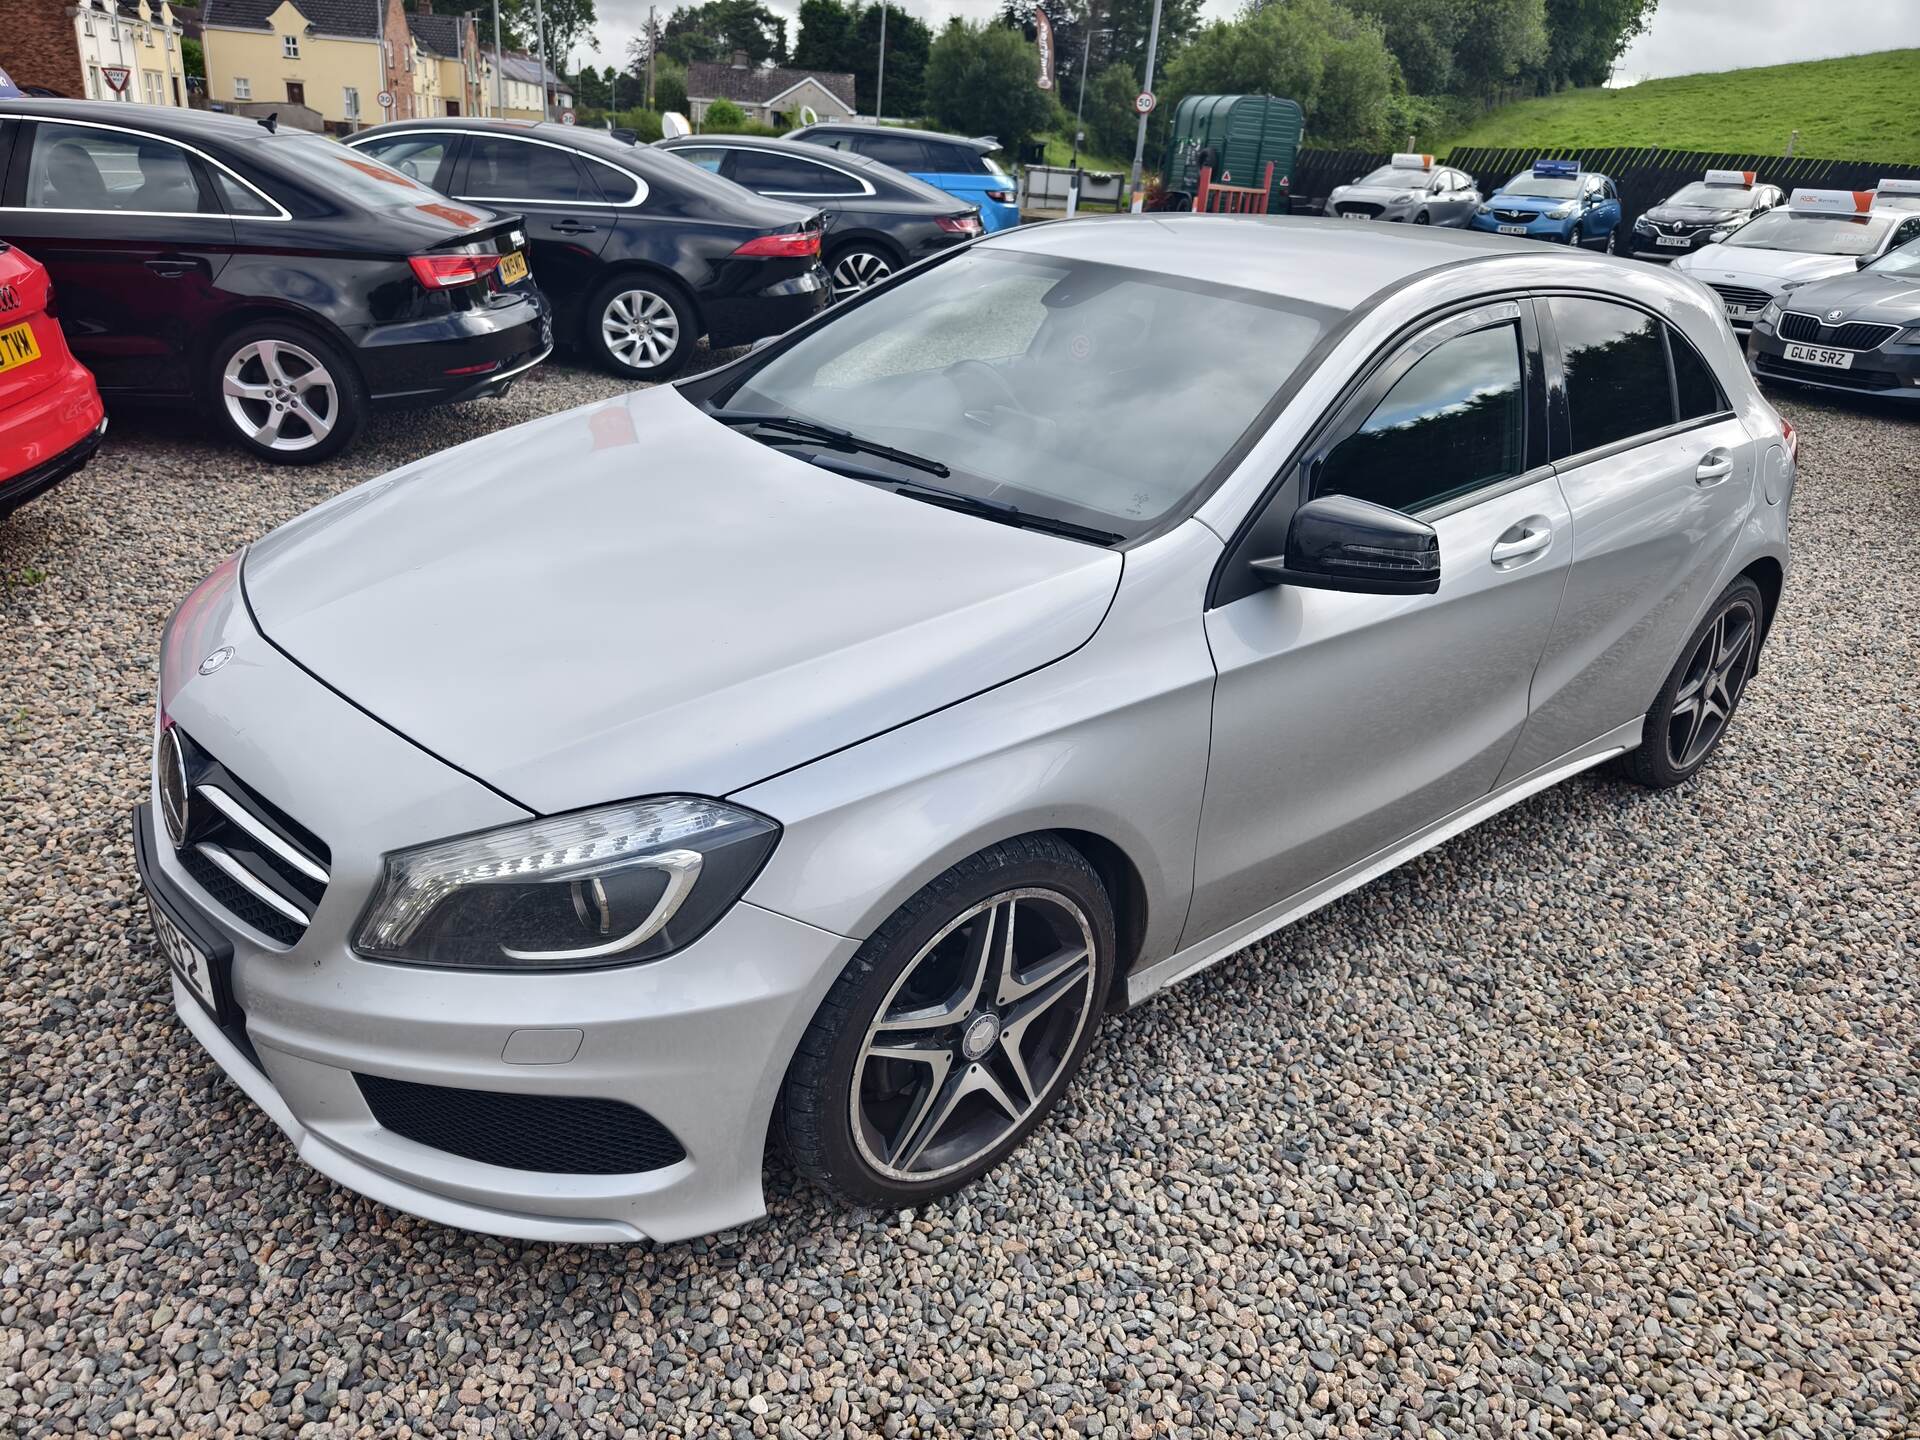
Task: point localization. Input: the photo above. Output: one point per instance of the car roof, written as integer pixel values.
(1328, 262)
(985, 147)
(175, 120)
(848, 159)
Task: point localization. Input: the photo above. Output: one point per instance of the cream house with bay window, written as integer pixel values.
(130, 50)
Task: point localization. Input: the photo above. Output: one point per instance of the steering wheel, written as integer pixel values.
(996, 382)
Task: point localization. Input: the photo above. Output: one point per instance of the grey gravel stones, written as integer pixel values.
(1603, 1118)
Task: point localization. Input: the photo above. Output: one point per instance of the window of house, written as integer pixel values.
(350, 101)
(1455, 422)
(242, 88)
(93, 82)
(1616, 370)
(290, 46)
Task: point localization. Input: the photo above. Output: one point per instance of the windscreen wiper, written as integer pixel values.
(830, 435)
(998, 510)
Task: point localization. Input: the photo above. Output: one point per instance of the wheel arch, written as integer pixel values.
(624, 269)
(1771, 576)
(1128, 892)
(261, 312)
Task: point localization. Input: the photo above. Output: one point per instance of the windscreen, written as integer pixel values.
(1528, 183)
(1393, 175)
(1093, 393)
(1712, 197)
(1812, 234)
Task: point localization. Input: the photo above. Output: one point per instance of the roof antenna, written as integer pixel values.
(269, 123)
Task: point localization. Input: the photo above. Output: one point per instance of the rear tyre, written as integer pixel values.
(1613, 241)
(953, 1031)
(286, 392)
(641, 327)
(1423, 219)
(1691, 714)
(857, 267)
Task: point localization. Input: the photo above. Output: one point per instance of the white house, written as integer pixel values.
(130, 50)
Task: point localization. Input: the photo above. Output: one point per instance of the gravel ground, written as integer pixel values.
(1602, 1118)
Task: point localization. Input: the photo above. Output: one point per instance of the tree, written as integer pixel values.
(569, 25)
(193, 59)
(669, 85)
(1501, 41)
(1121, 36)
(1586, 37)
(1110, 119)
(980, 81)
(1335, 63)
(715, 30)
(845, 38)
(1422, 34)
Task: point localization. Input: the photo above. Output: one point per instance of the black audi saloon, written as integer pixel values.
(639, 253)
(877, 219)
(275, 277)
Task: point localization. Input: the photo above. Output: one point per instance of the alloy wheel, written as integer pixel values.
(856, 270)
(1715, 676)
(280, 394)
(640, 329)
(974, 1036)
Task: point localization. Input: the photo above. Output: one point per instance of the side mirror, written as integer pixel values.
(1861, 262)
(1340, 543)
(1717, 236)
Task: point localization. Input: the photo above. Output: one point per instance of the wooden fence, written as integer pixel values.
(1645, 176)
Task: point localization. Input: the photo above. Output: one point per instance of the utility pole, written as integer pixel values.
(880, 78)
(653, 44)
(1140, 135)
(1080, 106)
(546, 100)
(498, 68)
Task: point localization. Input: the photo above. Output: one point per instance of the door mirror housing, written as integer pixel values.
(1340, 543)
(1861, 262)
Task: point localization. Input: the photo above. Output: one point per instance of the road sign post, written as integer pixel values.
(1138, 202)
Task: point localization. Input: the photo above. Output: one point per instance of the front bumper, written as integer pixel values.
(1536, 228)
(698, 1041)
(1890, 372)
(1642, 245)
(465, 355)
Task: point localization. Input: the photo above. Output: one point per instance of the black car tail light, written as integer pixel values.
(788, 245)
(968, 224)
(444, 272)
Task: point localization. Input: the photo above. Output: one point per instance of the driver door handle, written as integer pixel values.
(1714, 467)
(172, 269)
(1522, 542)
(572, 227)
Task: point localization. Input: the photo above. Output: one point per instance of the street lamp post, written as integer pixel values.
(1140, 135)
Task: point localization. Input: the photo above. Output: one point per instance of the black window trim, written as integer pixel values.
(1560, 421)
(865, 192)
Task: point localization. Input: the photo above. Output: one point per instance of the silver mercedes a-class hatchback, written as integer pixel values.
(812, 753)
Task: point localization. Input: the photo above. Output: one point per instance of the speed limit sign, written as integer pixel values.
(566, 117)
(384, 99)
(1143, 103)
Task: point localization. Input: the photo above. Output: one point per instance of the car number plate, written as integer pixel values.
(1354, 215)
(1738, 312)
(18, 347)
(192, 964)
(1679, 242)
(513, 268)
(1820, 355)
(1513, 229)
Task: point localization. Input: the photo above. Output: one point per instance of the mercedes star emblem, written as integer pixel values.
(218, 658)
(171, 765)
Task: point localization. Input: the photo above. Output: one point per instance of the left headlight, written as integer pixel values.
(613, 886)
(1561, 213)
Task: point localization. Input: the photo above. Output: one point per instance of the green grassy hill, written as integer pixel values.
(1861, 107)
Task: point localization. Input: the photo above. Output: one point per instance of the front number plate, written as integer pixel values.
(1354, 215)
(1513, 229)
(189, 961)
(513, 268)
(18, 347)
(1820, 355)
(1678, 241)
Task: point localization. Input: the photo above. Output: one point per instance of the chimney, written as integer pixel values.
(739, 59)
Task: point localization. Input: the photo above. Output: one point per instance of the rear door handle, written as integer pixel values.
(1522, 542)
(572, 227)
(1714, 467)
(173, 269)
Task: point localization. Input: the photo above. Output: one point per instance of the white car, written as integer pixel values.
(1820, 233)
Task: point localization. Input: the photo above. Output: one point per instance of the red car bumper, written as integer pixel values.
(49, 435)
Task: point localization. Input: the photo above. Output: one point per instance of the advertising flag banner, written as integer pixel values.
(1043, 37)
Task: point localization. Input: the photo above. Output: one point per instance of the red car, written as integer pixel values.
(50, 416)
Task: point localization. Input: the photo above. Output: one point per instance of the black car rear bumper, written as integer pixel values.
(466, 355)
(21, 488)
(748, 315)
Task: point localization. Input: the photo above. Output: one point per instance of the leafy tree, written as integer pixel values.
(845, 38)
(1422, 34)
(980, 81)
(1120, 36)
(1335, 63)
(193, 59)
(1501, 41)
(1110, 119)
(669, 85)
(1586, 37)
(569, 25)
(827, 37)
(715, 30)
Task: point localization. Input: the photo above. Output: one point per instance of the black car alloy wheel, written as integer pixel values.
(1691, 714)
(855, 269)
(642, 327)
(286, 393)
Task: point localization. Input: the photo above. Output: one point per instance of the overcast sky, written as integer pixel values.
(1686, 35)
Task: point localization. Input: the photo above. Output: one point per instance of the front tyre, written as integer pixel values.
(1691, 714)
(286, 393)
(641, 327)
(954, 1030)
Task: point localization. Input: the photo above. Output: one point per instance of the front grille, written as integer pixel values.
(1853, 379)
(1358, 207)
(552, 1134)
(254, 860)
(1855, 335)
(1515, 217)
(1743, 295)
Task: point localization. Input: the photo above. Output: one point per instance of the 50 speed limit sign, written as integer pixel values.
(1143, 103)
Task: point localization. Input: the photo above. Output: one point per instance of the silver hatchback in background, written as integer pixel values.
(819, 748)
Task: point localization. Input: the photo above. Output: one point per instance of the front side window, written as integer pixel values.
(1048, 383)
(77, 168)
(707, 157)
(1616, 371)
(1453, 423)
(502, 169)
(1903, 261)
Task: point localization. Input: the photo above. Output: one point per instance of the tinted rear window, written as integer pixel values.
(353, 174)
(1616, 367)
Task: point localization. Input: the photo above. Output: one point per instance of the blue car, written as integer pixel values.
(963, 168)
(1558, 201)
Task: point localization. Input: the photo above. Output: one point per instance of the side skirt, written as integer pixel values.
(1197, 957)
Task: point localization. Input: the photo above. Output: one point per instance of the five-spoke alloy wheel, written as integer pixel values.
(954, 1030)
(1695, 706)
(287, 394)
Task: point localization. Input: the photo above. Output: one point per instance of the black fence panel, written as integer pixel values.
(1645, 175)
